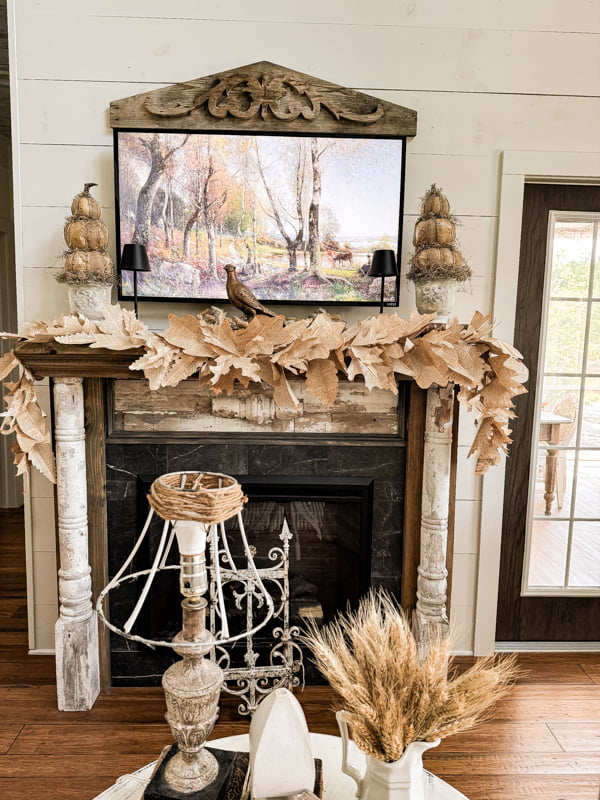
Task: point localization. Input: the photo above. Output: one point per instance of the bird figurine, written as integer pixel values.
(241, 297)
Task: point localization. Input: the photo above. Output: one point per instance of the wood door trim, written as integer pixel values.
(535, 618)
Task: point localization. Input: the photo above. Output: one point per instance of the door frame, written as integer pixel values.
(518, 168)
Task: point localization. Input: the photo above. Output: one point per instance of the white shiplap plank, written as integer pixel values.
(463, 578)
(471, 182)
(468, 485)
(52, 175)
(466, 531)
(44, 570)
(433, 59)
(76, 112)
(462, 620)
(455, 122)
(70, 112)
(44, 619)
(578, 15)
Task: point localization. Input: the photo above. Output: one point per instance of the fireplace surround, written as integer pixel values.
(81, 409)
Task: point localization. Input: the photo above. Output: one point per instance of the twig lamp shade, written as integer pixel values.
(383, 266)
(134, 259)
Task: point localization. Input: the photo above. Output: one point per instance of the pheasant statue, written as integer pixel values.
(241, 297)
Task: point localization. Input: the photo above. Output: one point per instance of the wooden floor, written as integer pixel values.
(543, 741)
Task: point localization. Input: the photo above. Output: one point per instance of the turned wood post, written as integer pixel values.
(76, 632)
(430, 621)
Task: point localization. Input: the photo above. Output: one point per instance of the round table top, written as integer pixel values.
(336, 785)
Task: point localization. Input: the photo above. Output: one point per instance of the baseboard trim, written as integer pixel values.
(547, 647)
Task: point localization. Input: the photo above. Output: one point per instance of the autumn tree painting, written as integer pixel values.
(299, 216)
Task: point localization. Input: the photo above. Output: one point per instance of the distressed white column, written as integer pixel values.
(430, 621)
(76, 632)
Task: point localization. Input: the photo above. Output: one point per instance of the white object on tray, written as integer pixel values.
(281, 759)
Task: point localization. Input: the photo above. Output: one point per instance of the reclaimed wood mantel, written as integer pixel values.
(78, 378)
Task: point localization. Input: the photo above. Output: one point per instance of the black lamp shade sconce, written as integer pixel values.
(134, 259)
(383, 266)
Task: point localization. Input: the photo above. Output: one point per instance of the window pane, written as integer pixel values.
(548, 557)
(590, 424)
(593, 356)
(571, 258)
(587, 503)
(556, 388)
(585, 554)
(553, 494)
(566, 331)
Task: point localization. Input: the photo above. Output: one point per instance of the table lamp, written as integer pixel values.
(383, 266)
(194, 507)
(134, 258)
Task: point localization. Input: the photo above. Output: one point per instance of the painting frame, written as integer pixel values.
(344, 287)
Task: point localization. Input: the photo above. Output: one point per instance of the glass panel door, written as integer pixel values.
(562, 552)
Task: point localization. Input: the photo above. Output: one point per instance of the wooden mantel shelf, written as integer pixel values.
(51, 359)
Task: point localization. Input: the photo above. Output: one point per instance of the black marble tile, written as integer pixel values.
(231, 459)
(287, 460)
(386, 556)
(388, 508)
(135, 459)
(372, 462)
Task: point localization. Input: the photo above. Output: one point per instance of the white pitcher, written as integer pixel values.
(397, 780)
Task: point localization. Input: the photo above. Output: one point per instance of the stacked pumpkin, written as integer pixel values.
(436, 256)
(86, 260)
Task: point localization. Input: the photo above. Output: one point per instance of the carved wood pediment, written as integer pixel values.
(263, 97)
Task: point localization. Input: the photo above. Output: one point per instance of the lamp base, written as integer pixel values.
(227, 784)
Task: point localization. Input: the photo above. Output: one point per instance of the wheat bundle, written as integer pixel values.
(389, 697)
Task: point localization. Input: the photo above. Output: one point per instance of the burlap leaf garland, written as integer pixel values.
(221, 352)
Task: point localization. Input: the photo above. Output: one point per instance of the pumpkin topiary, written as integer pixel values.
(437, 256)
(86, 235)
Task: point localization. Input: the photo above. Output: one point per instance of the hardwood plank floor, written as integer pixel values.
(542, 742)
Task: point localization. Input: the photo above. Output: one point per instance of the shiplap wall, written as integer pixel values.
(484, 77)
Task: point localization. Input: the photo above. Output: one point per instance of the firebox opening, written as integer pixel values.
(330, 522)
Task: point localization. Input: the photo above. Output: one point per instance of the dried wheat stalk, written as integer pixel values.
(390, 699)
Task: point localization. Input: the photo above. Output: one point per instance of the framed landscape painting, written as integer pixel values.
(298, 216)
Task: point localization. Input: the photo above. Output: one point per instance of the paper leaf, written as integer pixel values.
(187, 333)
(120, 329)
(77, 338)
(322, 380)
(7, 363)
(262, 336)
(283, 395)
(42, 459)
(182, 366)
(225, 383)
(20, 459)
(244, 367)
